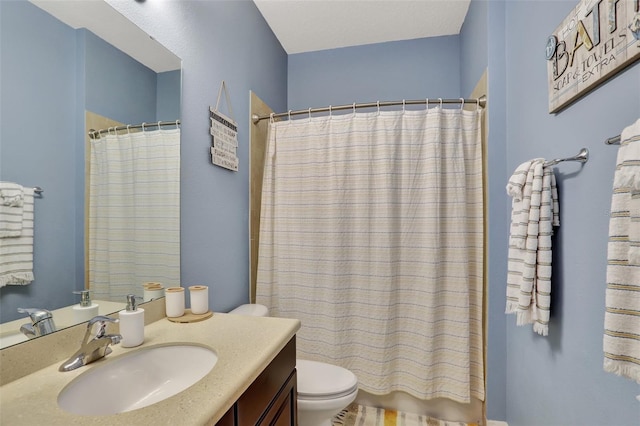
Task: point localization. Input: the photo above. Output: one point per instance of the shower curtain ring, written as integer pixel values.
(159, 126)
(354, 108)
(378, 103)
(289, 116)
(427, 104)
(461, 103)
(309, 114)
(271, 117)
(128, 129)
(143, 124)
(403, 106)
(330, 112)
(440, 100)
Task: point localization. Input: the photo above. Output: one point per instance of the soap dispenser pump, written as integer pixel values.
(131, 323)
(86, 309)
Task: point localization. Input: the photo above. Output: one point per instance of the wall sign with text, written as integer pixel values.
(597, 40)
(224, 134)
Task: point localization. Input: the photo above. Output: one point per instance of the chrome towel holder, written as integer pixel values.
(582, 157)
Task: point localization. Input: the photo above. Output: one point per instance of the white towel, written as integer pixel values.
(16, 253)
(621, 342)
(11, 209)
(535, 210)
(519, 187)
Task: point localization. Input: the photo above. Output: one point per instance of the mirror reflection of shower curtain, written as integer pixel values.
(134, 212)
(371, 234)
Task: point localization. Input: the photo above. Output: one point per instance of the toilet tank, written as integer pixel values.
(251, 309)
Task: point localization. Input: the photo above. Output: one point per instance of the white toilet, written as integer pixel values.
(323, 389)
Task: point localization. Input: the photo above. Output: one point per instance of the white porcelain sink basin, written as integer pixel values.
(136, 379)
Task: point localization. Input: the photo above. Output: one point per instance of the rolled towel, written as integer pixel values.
(11, 209)
(16, 267)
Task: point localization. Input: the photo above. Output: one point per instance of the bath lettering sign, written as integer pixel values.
(597, 40)
(224, 132)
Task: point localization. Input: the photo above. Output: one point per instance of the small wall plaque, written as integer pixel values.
(224, 135)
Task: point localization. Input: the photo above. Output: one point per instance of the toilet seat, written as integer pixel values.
(321, 381)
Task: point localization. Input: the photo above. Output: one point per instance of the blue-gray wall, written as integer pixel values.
(413, 69)
(220, 40)
(169, 97)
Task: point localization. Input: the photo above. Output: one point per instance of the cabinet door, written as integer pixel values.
(259, 398)
(283, 411)
(229, 419)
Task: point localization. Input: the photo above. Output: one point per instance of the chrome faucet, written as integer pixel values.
(41, 322)
(94, 349)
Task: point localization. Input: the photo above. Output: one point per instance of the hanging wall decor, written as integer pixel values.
(224, 134)
(596, 41)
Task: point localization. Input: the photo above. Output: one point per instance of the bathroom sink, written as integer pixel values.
(136, 379)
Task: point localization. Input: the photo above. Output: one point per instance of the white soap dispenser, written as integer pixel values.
(86, 309)
(131, 323)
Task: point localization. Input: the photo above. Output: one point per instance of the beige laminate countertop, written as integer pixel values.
(244, 345)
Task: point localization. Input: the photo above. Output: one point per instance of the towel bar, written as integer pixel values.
(582, 157)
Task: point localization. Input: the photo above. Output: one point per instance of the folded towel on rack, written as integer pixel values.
(535, 210)
(621, 342)
(16, 253)
(11, 209)
(519, 187)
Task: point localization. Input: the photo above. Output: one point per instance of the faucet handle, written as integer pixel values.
(36, 314)
(101, 320)
(41, 322)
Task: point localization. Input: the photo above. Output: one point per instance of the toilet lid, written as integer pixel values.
(317, 379)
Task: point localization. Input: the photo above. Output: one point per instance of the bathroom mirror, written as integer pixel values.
(60, 59)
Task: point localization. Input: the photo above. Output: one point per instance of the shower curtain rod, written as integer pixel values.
(93, 134)
(481, 102)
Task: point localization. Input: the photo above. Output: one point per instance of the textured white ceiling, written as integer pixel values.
(104, 21)
(310, 25)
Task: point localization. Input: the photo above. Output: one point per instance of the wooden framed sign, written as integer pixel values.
(597, 40)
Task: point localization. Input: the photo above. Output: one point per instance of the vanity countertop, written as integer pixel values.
(245, 346)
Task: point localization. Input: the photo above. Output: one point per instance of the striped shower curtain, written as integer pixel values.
(134, 212)
(371, 234)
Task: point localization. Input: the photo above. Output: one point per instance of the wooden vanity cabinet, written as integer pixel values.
(271, 398)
